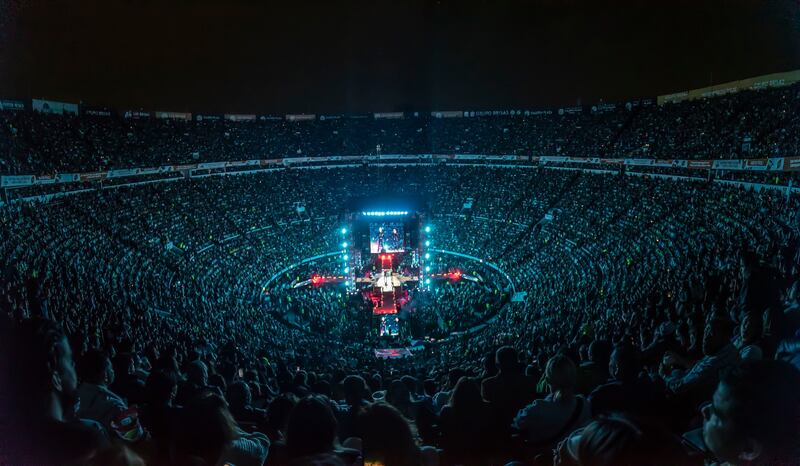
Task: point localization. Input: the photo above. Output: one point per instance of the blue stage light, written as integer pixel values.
(427, 243)
(427, 255)
(427, 268)
(347, 270)
(347, 283)
(344, 245)
(346, 257)
(344, 230)
(427, 281)
(428, 229)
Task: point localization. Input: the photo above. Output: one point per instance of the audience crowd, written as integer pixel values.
(659, 321)
(747, 124)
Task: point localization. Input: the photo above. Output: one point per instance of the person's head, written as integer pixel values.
(124, 364)
(387, 436)
(203, 428)
(197, 373)
(506, 359)
(410, 383)
(311, 428)
(455, 375)
(301, 379)
(239, 395)
(466, 395)
(599, 351)
(619, 440)
(717, 334)
(429, 387)
(561, 375)
(160, 388)
(624, 362)
(279, 410)
(753, 416)
(397, 394)
(44, 381)
(95, 367)
(355, 389)
(750, 328)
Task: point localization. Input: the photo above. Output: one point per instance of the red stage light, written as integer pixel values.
(457, 275)
(316, 279)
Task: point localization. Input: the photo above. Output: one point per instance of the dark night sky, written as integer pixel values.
(354, 56)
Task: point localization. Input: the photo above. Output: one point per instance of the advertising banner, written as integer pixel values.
(603, 108)
(758, 82)
(207, 118)
(68, 177)
(95, 176)
(448, 114)
(42, 180)
(238, 117)
(389, 115)
(301, 117)
(16, 181)
(53, 107)
(174, 116)
(330, 117)
(210, 165)
(791, 163)
(123, 172)
(549, 158)
(270, 118)
(95, 111)
(699, 164)
(136, 114)
(570, 110)
(727, 165)
(639, 162)
(16, 105)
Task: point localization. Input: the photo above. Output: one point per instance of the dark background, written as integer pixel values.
(361, 56)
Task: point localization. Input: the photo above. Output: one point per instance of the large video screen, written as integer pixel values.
(385, 237)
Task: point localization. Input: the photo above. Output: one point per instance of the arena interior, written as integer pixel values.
(598, 284)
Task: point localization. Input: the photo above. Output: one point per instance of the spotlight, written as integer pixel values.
(347, 270)
(427, 255)
(427, 268)
(428, 229)
(344, 230)
(427, 281)
(427, 243)
(344, 245)
(346, 257)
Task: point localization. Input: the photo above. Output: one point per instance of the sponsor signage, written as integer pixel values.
(54, 107)
(448, 114)
(16, 181)
(239, 117)
(15, 105)
(206, 117)
(301, 117)
(210, 165)
(388, 115)
(174, 116)
(570, 110)
(136, 114)
(270, 118)
(98, 112)
(68, 177)
(123, 172)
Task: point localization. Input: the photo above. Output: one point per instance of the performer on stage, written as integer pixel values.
(380, 239)
(395, 238)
